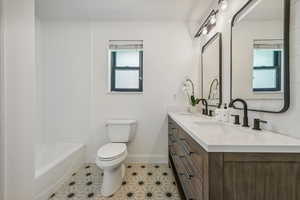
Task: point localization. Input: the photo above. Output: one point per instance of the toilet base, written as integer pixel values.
(112, 180)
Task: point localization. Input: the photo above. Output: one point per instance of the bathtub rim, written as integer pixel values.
(44, 169)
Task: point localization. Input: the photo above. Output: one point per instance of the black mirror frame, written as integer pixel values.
(218, 36)
(286, 46)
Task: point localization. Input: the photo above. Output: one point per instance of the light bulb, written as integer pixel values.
(204, 31)
(213, 19)
(223, 4)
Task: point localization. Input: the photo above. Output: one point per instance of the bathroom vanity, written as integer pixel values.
(217, 161)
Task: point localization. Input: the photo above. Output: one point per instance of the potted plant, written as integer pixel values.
(193, 101)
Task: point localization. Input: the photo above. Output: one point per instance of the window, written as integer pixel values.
(267, 67)
(126, 66)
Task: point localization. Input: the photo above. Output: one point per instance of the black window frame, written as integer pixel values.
(114, 68)
(277, 66)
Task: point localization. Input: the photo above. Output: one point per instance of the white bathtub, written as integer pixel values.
(54, 164)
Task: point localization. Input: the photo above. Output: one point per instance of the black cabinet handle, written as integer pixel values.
(185, 174)
(188, 176)
(188, 172)
(182, 174)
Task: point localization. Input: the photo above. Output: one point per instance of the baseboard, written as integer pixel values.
(142, 158)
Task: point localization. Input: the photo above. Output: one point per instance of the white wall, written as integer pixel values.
(74, 71)
(18, 98)
(2, 149)
(285, 123)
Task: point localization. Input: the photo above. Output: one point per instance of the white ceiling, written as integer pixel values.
(123, 10)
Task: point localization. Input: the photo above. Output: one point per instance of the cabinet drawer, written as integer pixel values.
(195, 158)
(179, 134)
(191, 143)
(171, 139)
(171, 131)
(178, 150)
(193, 188)
(196, 164)
(178, 165)
(172, 151)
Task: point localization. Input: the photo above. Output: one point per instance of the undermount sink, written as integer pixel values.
(218, 127)
(188, 114)
(207, 123)
(185, 113)
(209, 126)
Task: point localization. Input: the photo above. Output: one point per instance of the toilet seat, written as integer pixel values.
(111, 151)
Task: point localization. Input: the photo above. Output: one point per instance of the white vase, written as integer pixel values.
(192, 109)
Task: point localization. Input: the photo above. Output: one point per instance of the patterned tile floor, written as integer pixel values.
(142, 181)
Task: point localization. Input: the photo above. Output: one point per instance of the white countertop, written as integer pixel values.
(216, 136)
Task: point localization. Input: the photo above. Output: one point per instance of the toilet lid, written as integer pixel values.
(111, 150)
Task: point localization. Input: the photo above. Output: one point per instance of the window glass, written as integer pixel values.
(263, 57)
(267, 69)
(127, 79)
(264, 78)
(127, 58)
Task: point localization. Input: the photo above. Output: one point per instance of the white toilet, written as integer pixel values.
(111, 156)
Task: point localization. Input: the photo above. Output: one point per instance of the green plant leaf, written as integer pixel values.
(192, 98)
(194, 101)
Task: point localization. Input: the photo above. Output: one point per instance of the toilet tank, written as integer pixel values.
(121, 130)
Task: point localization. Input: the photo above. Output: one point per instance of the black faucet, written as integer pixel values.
(204, 102)
(245, 108)
(256, 124)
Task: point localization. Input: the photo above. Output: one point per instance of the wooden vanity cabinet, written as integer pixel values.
(202, 175)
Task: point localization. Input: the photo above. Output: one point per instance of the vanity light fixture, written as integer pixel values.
(213, 19)
(205, 31)
(208, 23)
(223, 4)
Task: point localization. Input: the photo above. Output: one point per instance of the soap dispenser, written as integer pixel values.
(225, 112)
(218, 114)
